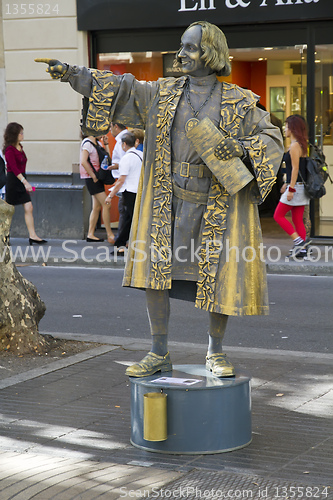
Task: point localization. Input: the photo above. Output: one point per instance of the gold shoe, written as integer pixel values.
(219, 365)
(149, 365)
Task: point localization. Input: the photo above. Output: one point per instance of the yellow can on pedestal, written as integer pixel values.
(155, 416)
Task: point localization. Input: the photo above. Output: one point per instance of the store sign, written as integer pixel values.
(232, 4)
(131, 14)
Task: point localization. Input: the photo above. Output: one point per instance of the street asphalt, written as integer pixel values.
(66, 426)
(121, 311)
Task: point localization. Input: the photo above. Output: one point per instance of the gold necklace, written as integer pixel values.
(192, 122)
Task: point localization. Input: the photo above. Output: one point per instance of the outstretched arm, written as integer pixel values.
(107, 94)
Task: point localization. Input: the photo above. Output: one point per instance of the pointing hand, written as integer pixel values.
(55, 68)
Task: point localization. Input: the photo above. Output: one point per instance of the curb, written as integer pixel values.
(55, 365)
(307, 269)
(59, 262)
(139, 344)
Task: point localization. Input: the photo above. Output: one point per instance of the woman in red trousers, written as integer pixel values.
(294, 198)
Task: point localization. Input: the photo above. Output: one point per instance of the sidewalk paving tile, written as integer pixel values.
(38, 477)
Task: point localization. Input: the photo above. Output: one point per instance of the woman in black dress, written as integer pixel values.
(17, 186)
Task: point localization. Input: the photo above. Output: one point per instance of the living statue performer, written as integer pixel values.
(190, 238)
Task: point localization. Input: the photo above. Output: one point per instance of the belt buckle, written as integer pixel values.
(184, 169)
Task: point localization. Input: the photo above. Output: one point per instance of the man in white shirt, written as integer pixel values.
(118, 130)
(127, 184)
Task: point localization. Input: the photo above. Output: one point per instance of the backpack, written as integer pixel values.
(100, 151)
(104, 176)
(2, 172)
(317, 174)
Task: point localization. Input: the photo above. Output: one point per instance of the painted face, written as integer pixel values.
(191, 52)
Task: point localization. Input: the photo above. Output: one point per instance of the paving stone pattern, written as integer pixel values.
(207, 485)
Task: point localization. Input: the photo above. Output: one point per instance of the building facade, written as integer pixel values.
(280, 49)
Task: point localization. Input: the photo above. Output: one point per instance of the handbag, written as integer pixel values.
(105, 176)
(317, 174)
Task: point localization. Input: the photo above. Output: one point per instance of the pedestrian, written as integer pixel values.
(185, 221)
(127, 185)
(118, 130)
(293, 198)
(89, 167)
(18, 189)
(139, 135)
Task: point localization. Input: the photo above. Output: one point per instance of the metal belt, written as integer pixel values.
(185, 169)
(190, 196)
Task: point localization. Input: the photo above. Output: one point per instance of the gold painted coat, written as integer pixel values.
(231, 281)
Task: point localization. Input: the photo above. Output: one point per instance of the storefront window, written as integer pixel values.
(146, 66)
(324, 132)
(324, 95)
(277, 74)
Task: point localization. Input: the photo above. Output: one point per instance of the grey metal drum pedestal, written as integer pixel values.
(205, 414)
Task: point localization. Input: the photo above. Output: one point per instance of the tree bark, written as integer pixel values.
(21, 307)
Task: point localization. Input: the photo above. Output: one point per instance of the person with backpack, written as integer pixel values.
(89, 167)
(293, 197)
(18, 189)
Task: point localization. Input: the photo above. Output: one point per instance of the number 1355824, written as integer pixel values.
(31, 9)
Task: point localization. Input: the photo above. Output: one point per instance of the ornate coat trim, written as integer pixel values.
(262, 166)
(215, 219)
(161, 267)
(100, 100)
(236, 102)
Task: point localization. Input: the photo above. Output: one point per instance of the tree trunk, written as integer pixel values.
(21, 308)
